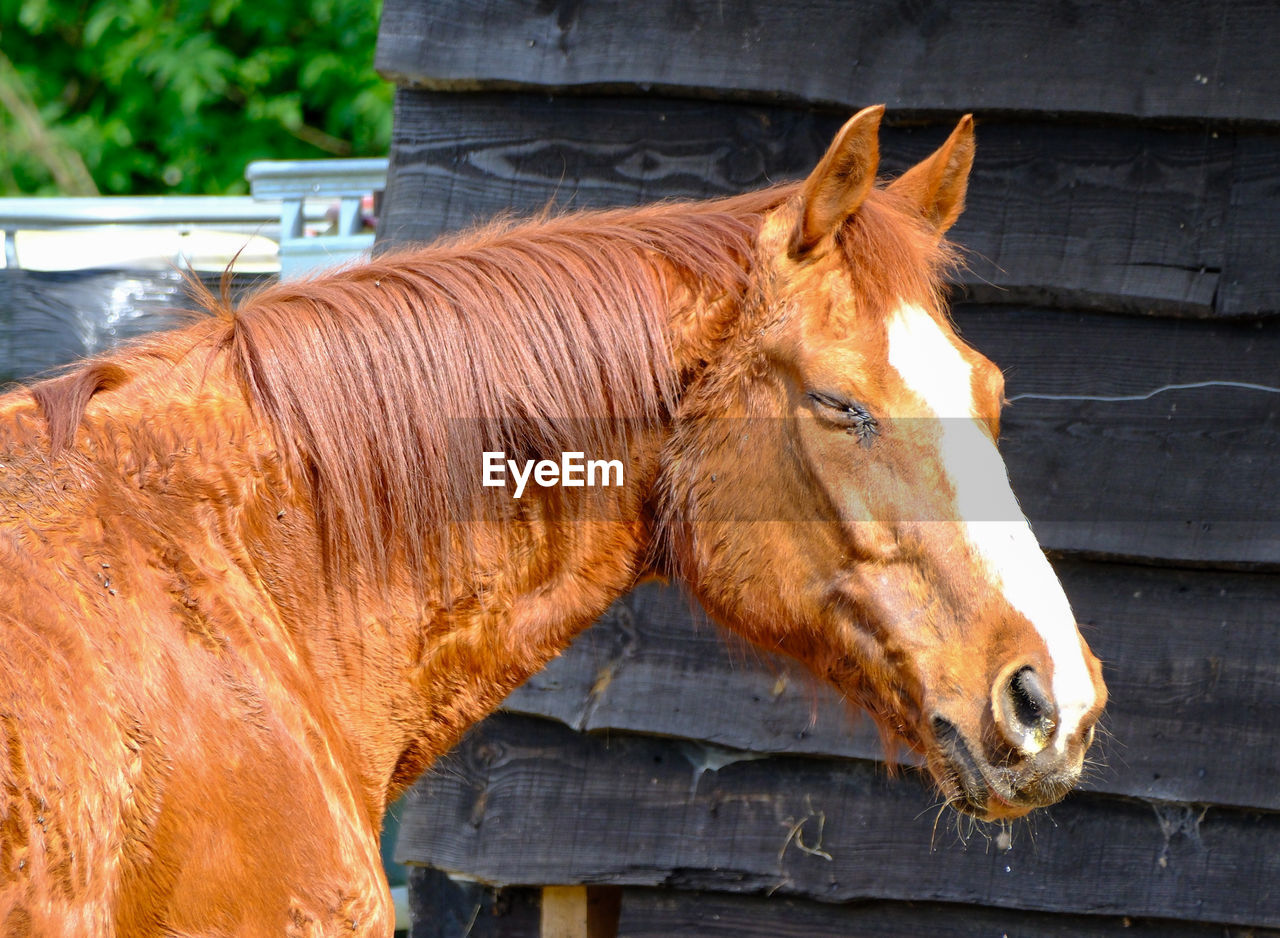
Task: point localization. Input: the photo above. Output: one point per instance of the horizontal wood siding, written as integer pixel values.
(1178, 59)
(1122, 240)
(1138, 219)
(662, 913)
(1154, 438)
(443, 908)
(1192, 660)
(528, 801)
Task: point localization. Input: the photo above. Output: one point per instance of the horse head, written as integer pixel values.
(840, 496)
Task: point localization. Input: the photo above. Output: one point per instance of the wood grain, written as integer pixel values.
(1249, 277)
(1138, 219)
(1192, 661)
(1188, 475)
(460, 159)
(1180, 59)
(635, 811)
(654, 913)
(441, 907)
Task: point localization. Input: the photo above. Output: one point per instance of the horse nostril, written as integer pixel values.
(1030, 702)
(1024, 711)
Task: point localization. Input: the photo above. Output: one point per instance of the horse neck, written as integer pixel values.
(408, 666)
(531, 583)
(394, 669)
(528, 587)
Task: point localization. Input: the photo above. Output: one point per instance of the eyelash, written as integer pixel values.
(855, 418)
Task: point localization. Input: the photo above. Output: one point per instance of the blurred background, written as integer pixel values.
(133, 97)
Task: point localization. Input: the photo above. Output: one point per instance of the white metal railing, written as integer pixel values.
(90, 229)
(295, 184)
(311, 208)
(224, 211)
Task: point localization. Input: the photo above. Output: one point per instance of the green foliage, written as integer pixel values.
(177, 96)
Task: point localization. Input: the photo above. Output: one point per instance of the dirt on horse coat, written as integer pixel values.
(253, 585)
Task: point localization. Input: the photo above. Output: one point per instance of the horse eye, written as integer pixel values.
(851, 415)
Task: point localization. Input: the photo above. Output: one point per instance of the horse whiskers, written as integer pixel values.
(933, 834)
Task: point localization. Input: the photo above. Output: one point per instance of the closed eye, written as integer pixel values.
(849, 414)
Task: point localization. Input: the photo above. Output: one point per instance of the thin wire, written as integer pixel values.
(1115, 398)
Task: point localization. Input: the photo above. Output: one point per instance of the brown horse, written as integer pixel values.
(253, 581)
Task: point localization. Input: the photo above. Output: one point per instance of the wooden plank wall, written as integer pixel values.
(1123, 235)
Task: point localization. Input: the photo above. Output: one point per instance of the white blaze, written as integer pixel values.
(932, 367)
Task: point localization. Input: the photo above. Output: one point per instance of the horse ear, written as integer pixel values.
(842, 179)
(937, 185)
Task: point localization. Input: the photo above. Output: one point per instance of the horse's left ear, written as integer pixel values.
(938, 184)
(842, 179)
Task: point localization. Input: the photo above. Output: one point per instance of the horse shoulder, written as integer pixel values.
(154, 702)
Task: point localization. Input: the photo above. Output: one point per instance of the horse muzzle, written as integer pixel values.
(1005, 786)
(1017, 750)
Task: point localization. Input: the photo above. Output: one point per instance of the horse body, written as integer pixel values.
(159, 709)
(250, 583)
(197, 743)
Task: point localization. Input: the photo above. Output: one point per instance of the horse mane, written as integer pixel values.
(385, 382)
(63, 399)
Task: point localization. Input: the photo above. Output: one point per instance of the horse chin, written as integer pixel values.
(976, 789)
(988, 805)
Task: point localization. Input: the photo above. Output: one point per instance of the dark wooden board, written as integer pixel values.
(1192, 661)
(458, 159)
(1073, 352)
(1153, 483)
(654, 663)
(1180, 59)
(527, 801)
(1120, 218)
(1191, 474)
(669, 913)
(444, 908)
(1250, 276)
